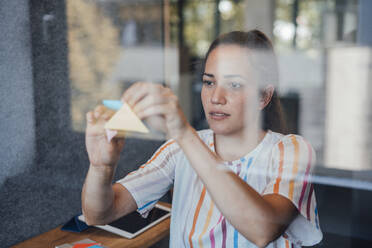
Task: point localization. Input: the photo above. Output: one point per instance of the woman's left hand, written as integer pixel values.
(159, 107)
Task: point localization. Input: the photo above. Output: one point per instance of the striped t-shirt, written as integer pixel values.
(278, 165)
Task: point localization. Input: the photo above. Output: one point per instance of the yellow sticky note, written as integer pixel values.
(126, 120)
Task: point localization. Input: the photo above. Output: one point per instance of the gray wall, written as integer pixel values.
(43, 161)
(17, 127)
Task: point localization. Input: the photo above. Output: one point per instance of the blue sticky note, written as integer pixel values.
(96, 246)
(113, 104)
(74, 225)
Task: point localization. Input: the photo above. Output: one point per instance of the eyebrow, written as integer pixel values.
(208, 75)
(234, 76)
(225, 76)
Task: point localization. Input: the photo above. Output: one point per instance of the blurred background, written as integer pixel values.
(58, 59)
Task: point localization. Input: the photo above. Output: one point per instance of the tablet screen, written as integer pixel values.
(134, 222)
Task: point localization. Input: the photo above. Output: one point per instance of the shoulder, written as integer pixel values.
(289, 141)
(294, 149)
(166, 152)
(171, 144)
(167, 148)
(171, 151)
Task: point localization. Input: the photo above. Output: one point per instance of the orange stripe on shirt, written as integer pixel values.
(286, 243)
(157, 154)
(206, 224)
(196, 215)
(295, 166)
(279, 178)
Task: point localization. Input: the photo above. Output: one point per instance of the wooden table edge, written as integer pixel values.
(56, 236)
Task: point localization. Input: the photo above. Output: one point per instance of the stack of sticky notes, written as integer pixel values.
(82, 244)
(124, 120)
(87, 245)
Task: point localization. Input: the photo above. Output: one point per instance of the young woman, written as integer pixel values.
(237, 184)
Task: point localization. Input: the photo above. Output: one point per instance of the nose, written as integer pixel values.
(218, 95)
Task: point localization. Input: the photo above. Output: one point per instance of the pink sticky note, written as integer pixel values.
(85, 245)
(110, 134)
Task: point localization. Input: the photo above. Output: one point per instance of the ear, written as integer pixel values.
(267, 94)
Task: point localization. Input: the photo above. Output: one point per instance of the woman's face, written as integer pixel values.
(229, 94)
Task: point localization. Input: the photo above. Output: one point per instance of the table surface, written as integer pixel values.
(56, 237)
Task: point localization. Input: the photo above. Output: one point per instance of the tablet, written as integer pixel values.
(134, 224)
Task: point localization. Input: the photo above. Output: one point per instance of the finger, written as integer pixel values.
(160, 109)
(99, 110)
(135, 93)
(149, 100)
(107, 114)
(139, 91)
(90, 118)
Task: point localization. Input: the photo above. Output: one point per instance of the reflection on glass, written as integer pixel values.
(348, 109)
(111, 45)
(115, 43)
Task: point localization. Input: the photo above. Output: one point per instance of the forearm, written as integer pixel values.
(97, 194)
(242, 206)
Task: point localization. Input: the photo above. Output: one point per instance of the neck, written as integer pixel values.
(234, 146)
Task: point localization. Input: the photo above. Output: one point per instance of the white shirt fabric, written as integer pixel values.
(278, 165)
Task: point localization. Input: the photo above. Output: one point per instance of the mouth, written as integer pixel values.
(217, 115)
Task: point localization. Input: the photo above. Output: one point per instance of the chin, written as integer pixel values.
(220, 129)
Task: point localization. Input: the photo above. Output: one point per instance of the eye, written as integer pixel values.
(236, 85)
(207, 83)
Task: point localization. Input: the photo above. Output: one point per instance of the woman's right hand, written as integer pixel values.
(101, 152)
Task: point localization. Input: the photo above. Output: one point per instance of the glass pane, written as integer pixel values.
(323, 50)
